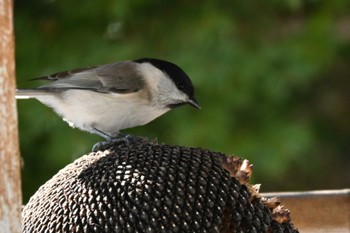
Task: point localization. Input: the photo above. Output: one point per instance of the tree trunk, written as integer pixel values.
(10, 183)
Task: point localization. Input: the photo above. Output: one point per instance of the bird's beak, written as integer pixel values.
(194, 103)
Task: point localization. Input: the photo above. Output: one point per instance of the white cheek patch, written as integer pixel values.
(166, 92)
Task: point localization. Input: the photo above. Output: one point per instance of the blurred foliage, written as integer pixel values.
(272, 78)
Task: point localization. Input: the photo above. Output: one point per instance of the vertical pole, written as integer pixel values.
(10, 182)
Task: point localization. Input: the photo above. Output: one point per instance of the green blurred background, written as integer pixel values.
(272, 78)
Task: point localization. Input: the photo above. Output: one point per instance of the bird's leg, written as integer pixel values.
(109, 139)
(121, 137)
(102, 134)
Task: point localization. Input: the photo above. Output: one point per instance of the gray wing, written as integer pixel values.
(119, 77)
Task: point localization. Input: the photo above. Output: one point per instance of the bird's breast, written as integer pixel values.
(104, 111)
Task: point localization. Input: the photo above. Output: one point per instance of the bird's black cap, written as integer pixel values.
(179, 77)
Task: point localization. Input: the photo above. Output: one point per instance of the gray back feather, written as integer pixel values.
(119, 77)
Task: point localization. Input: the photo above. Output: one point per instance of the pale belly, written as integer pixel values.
(108, 113)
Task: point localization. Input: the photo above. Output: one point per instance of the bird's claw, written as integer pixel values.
(126, 138)
(111, 141)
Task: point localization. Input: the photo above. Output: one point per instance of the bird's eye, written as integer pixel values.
(181, 87)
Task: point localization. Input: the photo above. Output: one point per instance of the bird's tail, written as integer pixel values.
(31, 93)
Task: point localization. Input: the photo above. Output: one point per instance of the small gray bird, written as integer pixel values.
(108, 98)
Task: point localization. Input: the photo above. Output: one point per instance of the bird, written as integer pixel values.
(106, 99)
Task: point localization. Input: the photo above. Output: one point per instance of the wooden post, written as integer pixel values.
(10, 182)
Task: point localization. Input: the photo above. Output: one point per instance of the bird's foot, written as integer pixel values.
(122, 138)
(111, 141)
